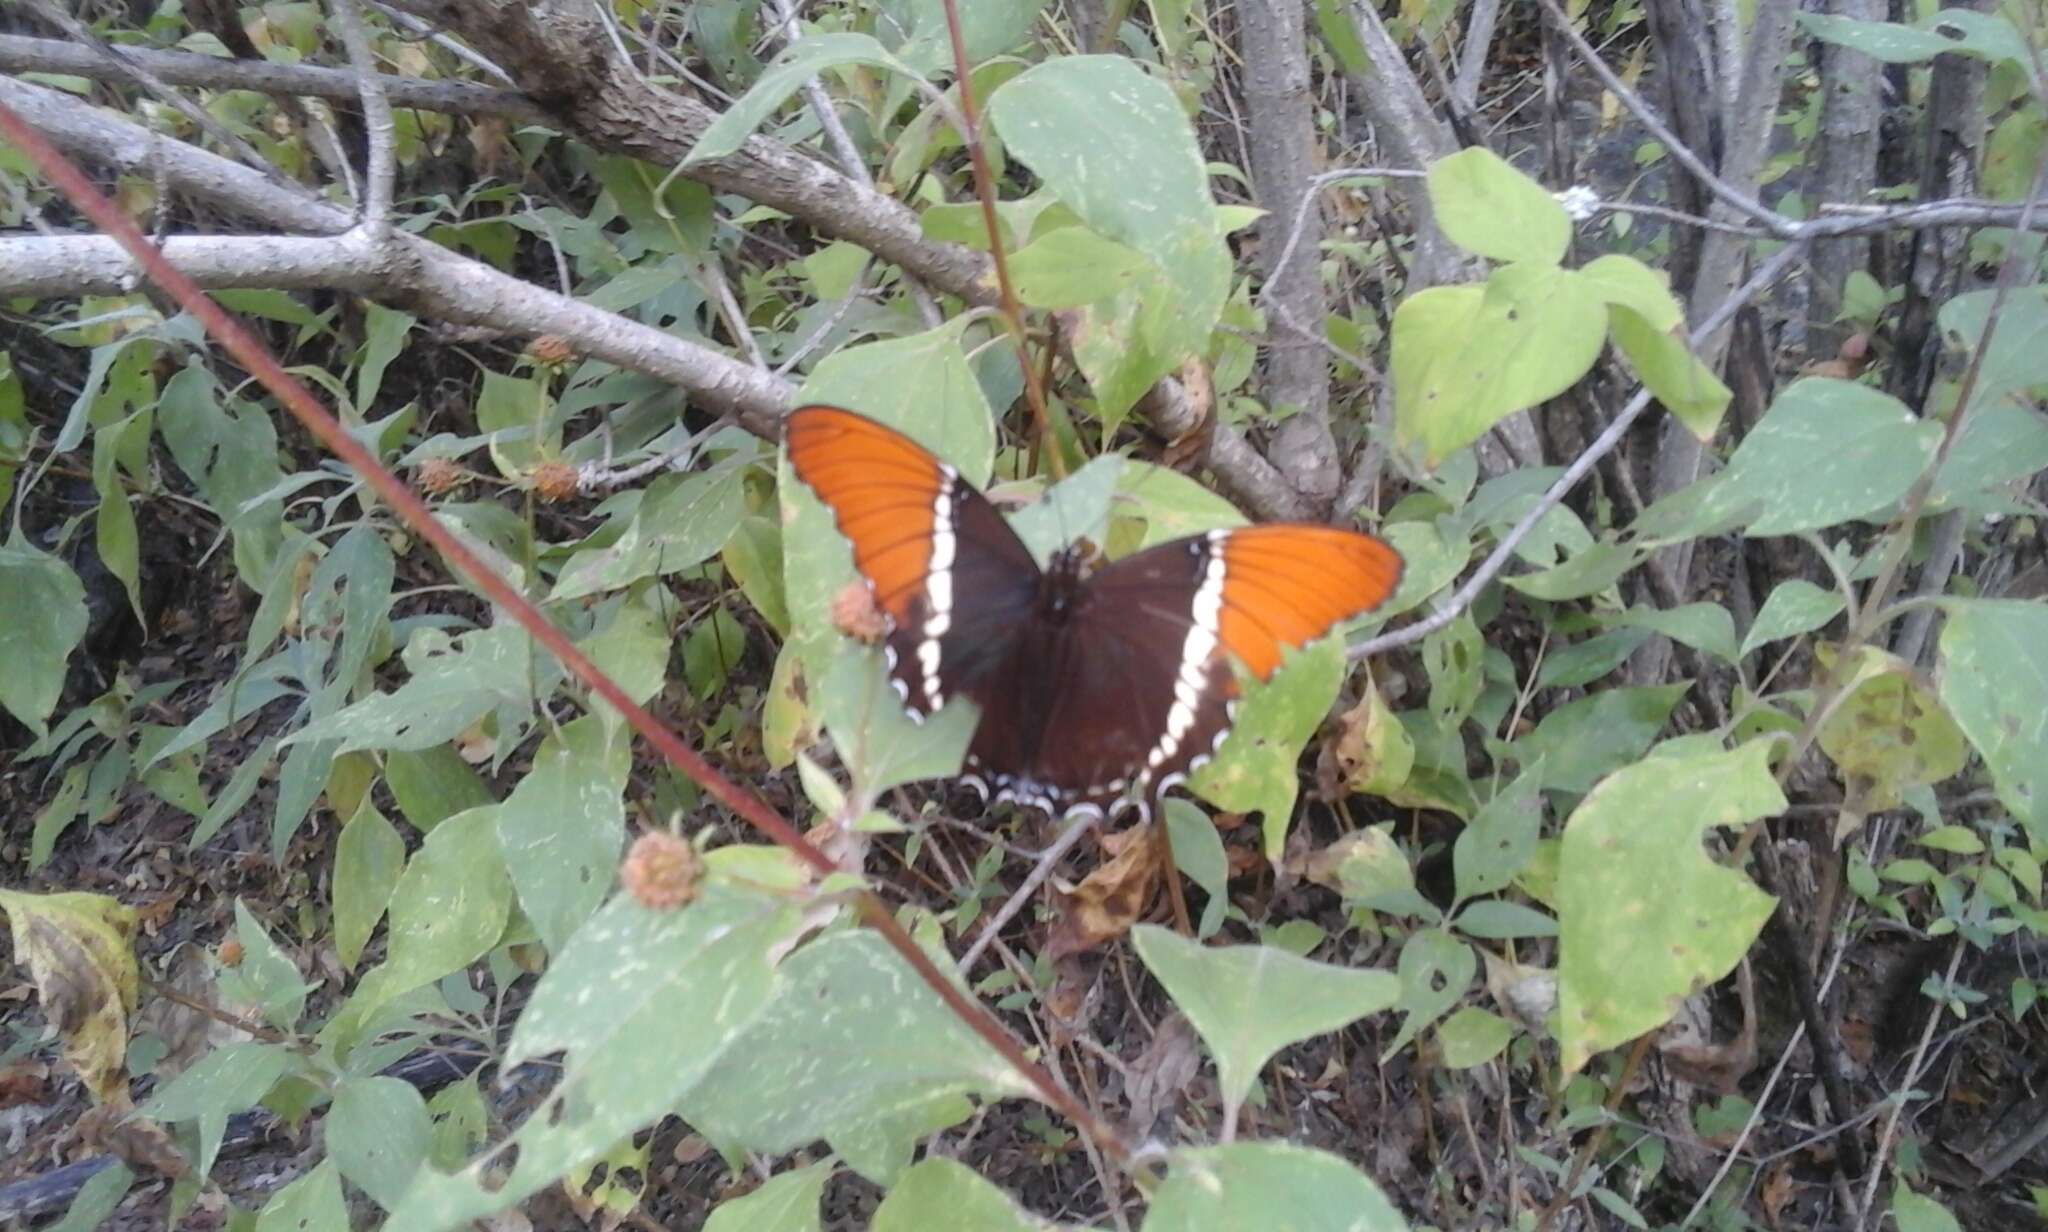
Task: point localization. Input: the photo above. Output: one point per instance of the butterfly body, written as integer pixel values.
(1098, 690)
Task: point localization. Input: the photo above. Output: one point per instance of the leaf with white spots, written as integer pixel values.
(1115, 146)
(1256, 769)
(1249, 1001)
(879, 742)
(1645, 916)
(1994, 680)
(945, 1193)
(854, 1038)
(1271, 1186)
(1826, 452)
(561, 829)
(644, 1003)
(787, 1202)
(1076, 507)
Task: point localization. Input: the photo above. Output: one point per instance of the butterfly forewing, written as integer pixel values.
(925, 541)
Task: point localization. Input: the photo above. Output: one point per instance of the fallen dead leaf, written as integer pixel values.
(78, 950)
(1112, 898)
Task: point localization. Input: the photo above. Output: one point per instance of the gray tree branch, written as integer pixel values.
(1281, 111)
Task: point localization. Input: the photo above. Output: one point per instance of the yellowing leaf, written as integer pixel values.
(1645, 916)
(1889, 733)
(77, 947)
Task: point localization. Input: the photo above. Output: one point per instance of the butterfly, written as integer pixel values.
(1098, 691)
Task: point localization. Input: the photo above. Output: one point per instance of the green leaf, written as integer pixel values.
(1889, 734)
(1431, 563)
(1465, 358)
(1076, 507)
(945, 1193)
(644, 1003)
(1256, 767)
(1113, 144)
(265, 978)
(853, 1043)
(1591, 572)
(1919, 1213)
(367, 862)
(987, 28)
(114, 525)
(231, 457)
(451, 688)
(101, 1194)
(1622, 281)
(42, 620)
(880, 743)
(1668, 368)
(1794, 606)
(1487, 207)
(1271, 1186)
(378, 1133)
(449, 909)
(2001, 447)
(1582, 740)
(1957, 30)
(228, 1080)
(1073, 267)
(1826, 452)
(787, 1202)
(1473, 1036)
(1495, 919)
(1169, 504)
(562, 828)
(56, 816)
(1705, 627)
(677, 527)
(384, 337)
(1581, 663)
(1250, 1001)
(799, 63)
(1994, 680)
(633, 646)
(313, 1203)
(452, 901)
(1198, 852)
(1500, 841)
(1435, 969)
(1646, 916)
(432, 784)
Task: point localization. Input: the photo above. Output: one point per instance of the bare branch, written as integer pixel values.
(1272, 40)
(376, 203)
(19, 54)
(403, 270)
(119, 64)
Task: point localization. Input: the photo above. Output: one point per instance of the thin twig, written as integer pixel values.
(1646, 115)
(1047, 861)
(969, 120)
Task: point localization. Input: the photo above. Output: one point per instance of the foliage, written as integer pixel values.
(1520, 852)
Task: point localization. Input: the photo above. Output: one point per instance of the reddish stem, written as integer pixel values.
(295, 398)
